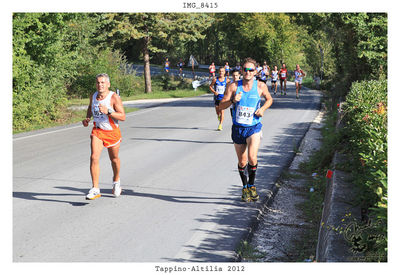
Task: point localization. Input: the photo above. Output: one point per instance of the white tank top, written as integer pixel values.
(103, 121)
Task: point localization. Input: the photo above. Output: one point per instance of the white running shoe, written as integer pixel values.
(116, 188)
(93, 194)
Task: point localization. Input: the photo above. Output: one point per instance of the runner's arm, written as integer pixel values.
(119, 113)
(268, 99)
(212, 86)
(86, 121)
(226, 101)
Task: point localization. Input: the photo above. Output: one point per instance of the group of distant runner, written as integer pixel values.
(242, 94)
(264, 73)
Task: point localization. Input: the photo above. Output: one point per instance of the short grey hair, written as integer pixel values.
(103, 75)
(250, 60)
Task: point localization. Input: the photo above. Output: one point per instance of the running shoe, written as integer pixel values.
(93, 194)
(219, 127)
(297, 96)
(116, 188)
(246, 195)
(281, 93)
(253, 194)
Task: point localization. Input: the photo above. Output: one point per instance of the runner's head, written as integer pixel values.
(275, 68)
(297, 67)
(284, 65)
(236, 75)
(102, 82)
(221, 72)
(249, 68)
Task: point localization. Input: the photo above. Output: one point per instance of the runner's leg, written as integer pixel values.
(96, 148)
(115, 161)
(285, 85)
(241, 152)
(253, 142)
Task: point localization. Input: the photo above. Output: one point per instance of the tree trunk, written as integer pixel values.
(146, 57)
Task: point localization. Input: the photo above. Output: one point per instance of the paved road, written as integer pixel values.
(181, 197)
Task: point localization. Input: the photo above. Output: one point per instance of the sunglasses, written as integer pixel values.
(248, 69)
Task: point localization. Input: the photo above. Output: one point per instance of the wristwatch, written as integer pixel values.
(110, 111)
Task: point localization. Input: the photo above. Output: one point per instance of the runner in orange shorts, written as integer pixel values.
(106, 108)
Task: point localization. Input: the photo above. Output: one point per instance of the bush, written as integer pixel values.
(104, 61)
(366, 128)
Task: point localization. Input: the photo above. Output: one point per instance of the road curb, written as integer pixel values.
(338, 204)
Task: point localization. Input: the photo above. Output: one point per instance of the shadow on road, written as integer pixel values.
(172, 128)
(49, 197)
(39, 197)
(183, 199)
(182, 140)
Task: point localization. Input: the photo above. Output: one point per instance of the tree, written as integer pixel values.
(165, 27)
(358, 42)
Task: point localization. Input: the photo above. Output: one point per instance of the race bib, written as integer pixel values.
(96, 111)
(220, 89)
(283, 74)
(244, 115)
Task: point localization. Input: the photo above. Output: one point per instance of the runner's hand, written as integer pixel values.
(85, 122)
(103, 108)
(259, 112)
(237, 97)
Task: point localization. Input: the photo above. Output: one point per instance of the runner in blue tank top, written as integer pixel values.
(217, 87)
(246, 95)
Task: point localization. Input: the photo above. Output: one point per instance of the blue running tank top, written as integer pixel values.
(219, 87)
(243, 111)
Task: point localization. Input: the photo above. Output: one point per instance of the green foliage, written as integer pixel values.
(56, 55)
(104, 61)
(354, 44)
(371, 35)
(39, 93)
(366, 129)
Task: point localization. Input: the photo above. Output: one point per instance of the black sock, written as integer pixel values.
(243, 176)
(252, 174)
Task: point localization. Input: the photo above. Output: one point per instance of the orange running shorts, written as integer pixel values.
(110, 138)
